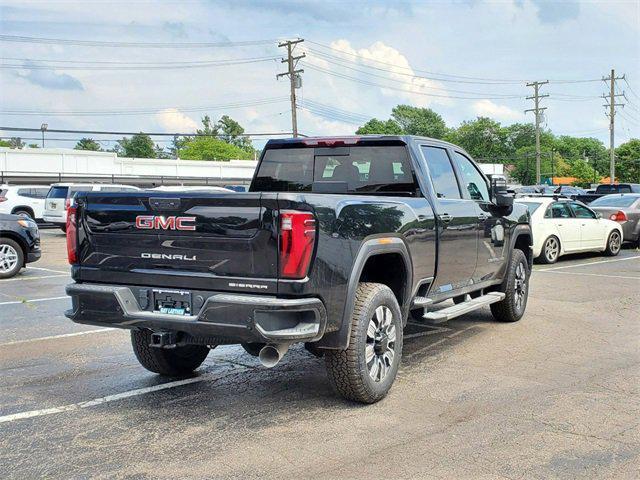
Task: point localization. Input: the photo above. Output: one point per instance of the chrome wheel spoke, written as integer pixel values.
(371, 330)
(375, 368)
(391, 333)
(369, 353)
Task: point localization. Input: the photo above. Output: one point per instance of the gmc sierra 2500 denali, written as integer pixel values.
(336, 243)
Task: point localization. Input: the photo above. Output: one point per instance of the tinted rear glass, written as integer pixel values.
(58, 192)
(614, 201)
(613, 189)
(364, 169)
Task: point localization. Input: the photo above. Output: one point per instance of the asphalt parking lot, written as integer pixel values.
(552, 396)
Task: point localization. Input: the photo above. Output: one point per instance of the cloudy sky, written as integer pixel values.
(461, 58)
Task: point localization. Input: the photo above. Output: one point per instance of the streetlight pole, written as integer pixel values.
(43, 128)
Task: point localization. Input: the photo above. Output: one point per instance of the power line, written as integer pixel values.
(389, 87)
(413, 77)
(151, 134)
(100, 43)
(132, 66)
(252, 103)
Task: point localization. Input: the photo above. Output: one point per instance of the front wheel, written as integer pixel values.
(11, 258)
(614, 243)
(365, 371)
(172, 362)
(516, 290)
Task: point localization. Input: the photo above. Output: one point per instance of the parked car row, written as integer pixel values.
(50, 203)
(561, 226)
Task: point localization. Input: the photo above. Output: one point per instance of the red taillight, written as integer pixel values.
(72, 236)
(619, 216)
(3, 199)
(297, 238)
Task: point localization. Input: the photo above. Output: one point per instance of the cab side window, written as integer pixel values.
(442, 174)
(474, 182)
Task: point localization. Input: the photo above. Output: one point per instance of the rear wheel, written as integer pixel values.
(550, 250)
(365, 371)
(516, 290)
(11, 258)
(614, 243)
(172, 362)
(24, 213)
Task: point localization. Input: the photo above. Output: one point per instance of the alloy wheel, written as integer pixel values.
(614, 242)
(520, 286)
(381, 343)
(551, 249)
(8, 258)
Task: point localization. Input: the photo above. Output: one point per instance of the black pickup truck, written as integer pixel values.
(608, 189)
(337, 242)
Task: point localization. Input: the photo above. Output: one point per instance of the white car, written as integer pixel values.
(23, 200)
(60, 195)
(561, 226)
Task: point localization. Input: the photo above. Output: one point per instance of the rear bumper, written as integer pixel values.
(221, 317)
(55, 220)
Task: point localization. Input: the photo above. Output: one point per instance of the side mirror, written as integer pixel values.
(499, 195)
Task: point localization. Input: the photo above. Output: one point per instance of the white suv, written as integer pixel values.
(23, 200)
(60, 195)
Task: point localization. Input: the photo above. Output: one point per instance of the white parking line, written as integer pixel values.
(588, 263)
(53, 337)
(46, 269)
(99, 401)
(19, 279)
(594, 275)
(35, 300)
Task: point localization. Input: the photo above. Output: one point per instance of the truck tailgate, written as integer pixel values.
(190, 240)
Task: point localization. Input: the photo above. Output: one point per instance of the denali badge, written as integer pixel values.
(162, 256)
(153, 222)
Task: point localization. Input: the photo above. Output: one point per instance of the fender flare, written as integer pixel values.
(518, 230)
(368, 249)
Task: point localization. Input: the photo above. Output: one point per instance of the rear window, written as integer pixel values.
(531, 206)
(363, 169)
(58, 192)
(613, 201)
(613, 189)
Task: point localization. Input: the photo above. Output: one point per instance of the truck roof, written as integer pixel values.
(354, 139)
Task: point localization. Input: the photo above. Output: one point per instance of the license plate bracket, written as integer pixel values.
(172, 302)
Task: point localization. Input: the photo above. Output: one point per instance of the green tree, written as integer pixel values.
(33, 145)
(380, 127)
(233, 133)
(525, 164)
(139, 145)
(88, 144)
(483, 138)
(419, 121)
(628, 161)
(5, 143)
(583, 172)
(16, 142)
(210, 148)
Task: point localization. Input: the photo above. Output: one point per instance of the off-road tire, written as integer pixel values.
(612, 250)
(543, 256)
(20, 260)
(347, 369)
(172, 362)
(507, 310)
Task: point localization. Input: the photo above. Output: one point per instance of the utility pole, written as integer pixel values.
(611, 98)
(295, 80)
(537, 111)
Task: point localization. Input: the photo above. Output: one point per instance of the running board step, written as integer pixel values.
(464, 307)
(419, 302)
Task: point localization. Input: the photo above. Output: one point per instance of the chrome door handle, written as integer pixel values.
(445, 217)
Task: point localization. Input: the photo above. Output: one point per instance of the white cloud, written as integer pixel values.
(173, 120)
(400, 72)
(486, 108)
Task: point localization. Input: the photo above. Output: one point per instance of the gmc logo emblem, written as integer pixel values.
(153, 222)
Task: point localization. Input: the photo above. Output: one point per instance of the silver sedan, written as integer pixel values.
(623, 208)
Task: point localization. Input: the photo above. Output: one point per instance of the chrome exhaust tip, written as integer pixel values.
(270, 355)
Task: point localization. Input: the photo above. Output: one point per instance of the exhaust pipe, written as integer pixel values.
(270, 355)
